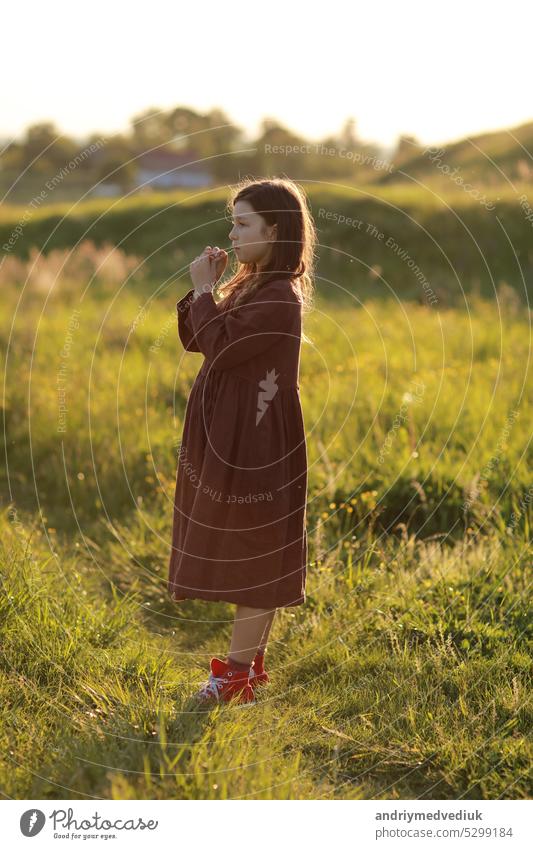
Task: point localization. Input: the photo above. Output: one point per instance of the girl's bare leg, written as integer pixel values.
(250, 630)
(266, 633)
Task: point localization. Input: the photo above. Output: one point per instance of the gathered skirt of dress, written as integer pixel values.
(239, 513)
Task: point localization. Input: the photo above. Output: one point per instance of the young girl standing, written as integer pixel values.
(239, 530)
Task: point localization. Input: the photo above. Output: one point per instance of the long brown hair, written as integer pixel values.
(279, 201)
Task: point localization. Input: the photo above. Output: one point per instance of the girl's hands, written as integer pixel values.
(207, 268)
(220, 260)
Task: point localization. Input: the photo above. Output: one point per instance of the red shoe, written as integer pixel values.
(257, 678)
(225, 684)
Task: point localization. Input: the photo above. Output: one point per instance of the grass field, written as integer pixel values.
(407, 674)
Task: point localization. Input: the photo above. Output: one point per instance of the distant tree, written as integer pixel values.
(115, 161)
(210, 136)
(272, 145)
(351, 157)
(11, 156)
(225, 138)
(183, 124)
(406, 148)
(40, 140)
(42, 150)
(150, 129)
(348, 137)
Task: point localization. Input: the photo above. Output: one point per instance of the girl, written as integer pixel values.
(239, 530)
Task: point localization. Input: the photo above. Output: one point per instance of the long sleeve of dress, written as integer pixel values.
(240, 333)
(185, 329)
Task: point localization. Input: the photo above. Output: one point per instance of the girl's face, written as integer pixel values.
(251, 236)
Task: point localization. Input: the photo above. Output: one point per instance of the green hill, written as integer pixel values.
(502, 157)
(397, 240)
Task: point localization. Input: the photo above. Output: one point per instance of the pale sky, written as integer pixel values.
(436, 71)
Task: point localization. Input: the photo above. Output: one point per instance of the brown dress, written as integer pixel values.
(239, 530)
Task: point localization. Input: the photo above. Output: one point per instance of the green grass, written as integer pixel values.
(404, 677)
(407, 674)
(459, 246)
(125, 406)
